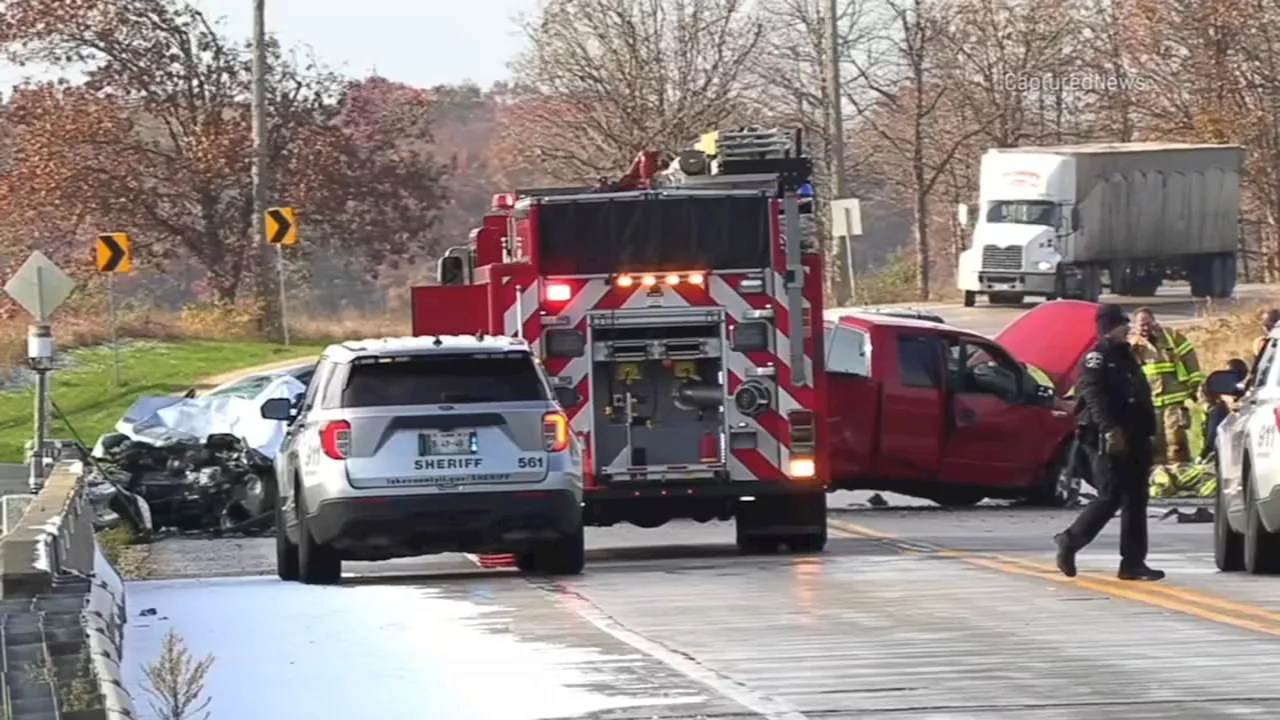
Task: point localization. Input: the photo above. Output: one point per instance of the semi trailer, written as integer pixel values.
(1062, 222)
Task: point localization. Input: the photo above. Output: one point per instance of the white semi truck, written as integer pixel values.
(1054, 222)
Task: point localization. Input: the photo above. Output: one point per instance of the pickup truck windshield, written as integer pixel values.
(442, 379)
(1025, 212)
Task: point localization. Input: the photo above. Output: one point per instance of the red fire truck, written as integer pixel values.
(674, 311)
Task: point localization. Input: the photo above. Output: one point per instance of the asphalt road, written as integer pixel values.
(1173, 304)
(913, 612)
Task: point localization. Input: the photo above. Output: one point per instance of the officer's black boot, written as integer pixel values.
(1139, 572)
(1066, 554)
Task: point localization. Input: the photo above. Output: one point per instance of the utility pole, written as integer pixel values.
(836, 120)
(260, 152)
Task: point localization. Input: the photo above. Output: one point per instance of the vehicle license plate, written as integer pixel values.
(447, 443)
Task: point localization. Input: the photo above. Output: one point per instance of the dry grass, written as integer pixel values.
(1220, 338)
(195, 322)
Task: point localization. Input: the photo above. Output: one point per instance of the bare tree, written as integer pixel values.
(795, 88)
(914, 109)
(604, 79)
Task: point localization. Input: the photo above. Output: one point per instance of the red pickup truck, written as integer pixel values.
(934, 411)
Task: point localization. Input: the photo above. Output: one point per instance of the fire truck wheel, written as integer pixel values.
(758, 544)
(564, 556)
(810, 543)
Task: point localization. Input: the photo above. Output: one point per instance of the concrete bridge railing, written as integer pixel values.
(62, 609)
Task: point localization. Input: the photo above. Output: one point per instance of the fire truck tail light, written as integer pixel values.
(697, 279)
(555, 431)
(751, 285)
(648, 281)
(624, 281)
(802, 468)
(335, 439)
(559, 292)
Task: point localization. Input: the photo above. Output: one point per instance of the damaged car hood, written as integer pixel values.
(1052, 337)
(164, 421)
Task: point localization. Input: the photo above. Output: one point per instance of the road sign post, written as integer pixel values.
(39, 286)
(846, 224)
(113, 257)
(281, 231)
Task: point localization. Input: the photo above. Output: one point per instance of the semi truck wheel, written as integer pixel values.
(1090, 283)
(1005, 298)
(970, 298)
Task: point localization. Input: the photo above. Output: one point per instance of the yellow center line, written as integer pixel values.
(1178, 599)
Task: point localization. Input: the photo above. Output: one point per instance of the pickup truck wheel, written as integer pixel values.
(286, 551)
(958, 498)
(1058, 486)
(317, 564)
(1261, 548)
(1228, 545)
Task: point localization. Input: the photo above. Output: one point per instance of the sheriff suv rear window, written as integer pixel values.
(442, 379)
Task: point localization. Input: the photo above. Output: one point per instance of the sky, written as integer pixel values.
(415, 42)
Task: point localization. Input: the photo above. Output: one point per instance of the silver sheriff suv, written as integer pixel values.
(420, 445)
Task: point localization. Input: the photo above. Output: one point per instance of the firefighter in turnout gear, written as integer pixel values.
(1269, 320)
(1169, 363)
(1117, 422)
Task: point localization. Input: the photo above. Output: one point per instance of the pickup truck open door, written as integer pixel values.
(995, 417)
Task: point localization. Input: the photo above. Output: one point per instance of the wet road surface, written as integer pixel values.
(913, 612)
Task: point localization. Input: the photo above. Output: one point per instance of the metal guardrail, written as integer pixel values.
(62, 608)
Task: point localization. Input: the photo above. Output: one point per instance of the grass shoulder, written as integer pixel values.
(87, 392)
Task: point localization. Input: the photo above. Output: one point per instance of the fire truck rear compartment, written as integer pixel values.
(658, 402)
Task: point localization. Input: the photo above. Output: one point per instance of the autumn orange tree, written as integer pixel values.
(156, 141)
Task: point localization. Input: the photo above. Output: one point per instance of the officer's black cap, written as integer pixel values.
(1109, 317)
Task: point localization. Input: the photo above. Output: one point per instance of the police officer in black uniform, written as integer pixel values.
(1116, 425)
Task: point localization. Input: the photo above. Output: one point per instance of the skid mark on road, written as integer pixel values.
(1162, 595)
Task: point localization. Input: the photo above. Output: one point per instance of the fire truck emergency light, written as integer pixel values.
(626, 281)
(504, 201)
(558, 292)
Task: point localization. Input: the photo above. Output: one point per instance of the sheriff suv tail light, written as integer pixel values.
(555, 431)
(335, 439)
(803, 434)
